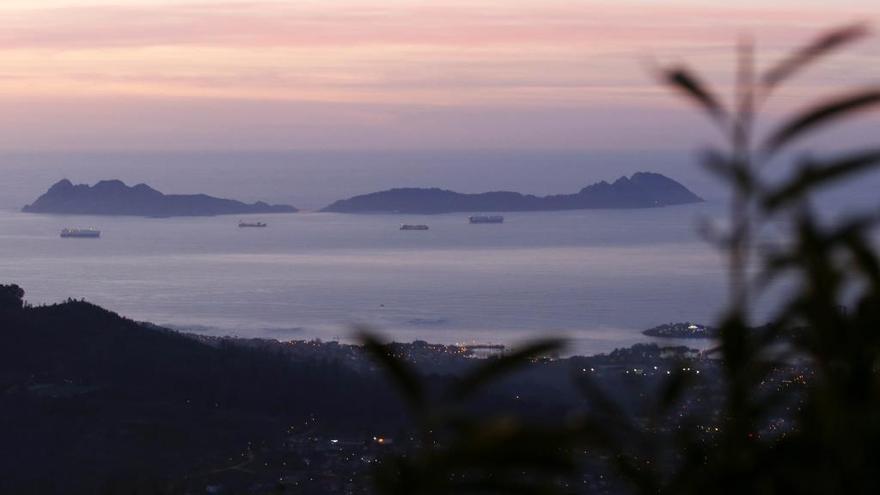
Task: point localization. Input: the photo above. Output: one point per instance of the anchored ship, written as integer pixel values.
(251, 224)
(407, 226)
(486, 219)
(90, 232)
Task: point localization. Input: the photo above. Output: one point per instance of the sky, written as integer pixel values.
(392, 74)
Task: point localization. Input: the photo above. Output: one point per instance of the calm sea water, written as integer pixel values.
(598, 277)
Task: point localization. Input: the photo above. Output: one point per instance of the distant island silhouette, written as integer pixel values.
(642, 190)
(113, 197)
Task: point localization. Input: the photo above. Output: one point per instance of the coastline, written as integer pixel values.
(571, 348)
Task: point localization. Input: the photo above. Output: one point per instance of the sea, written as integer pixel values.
(596, 277)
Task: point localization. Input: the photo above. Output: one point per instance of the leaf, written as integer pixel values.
(718, 164)
(711, 232)
(402, 373)
(688, 83)
(818, 115)
(494, 368)
(822, 45)
(865, 258)
(735, 172)
(812, 176)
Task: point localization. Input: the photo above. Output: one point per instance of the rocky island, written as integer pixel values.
(642, 190)
(113, 197)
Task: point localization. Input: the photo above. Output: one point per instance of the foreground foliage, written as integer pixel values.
(821, 434)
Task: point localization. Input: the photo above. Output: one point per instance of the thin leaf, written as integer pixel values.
(865, 258)
(818, 115)
(718, 164)
(745, 94)
(494, 368)
(404, 376)
(687, 82)
(736, 173)
(709, 231)
(812, 176)
(824, 44)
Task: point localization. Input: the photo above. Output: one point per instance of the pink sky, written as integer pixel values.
(226, 74)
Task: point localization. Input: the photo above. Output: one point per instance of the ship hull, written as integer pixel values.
(486, 219)
(81, 235)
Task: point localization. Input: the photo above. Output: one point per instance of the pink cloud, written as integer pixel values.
(244, 24)
(492, 73)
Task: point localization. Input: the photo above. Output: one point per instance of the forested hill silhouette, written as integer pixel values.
(88, 397)
(642, 190)
(114, 197)
(92, 402)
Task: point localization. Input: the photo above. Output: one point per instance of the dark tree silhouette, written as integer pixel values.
(11, 297)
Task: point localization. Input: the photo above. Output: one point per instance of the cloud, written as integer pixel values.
(386, 72)
(349, 22)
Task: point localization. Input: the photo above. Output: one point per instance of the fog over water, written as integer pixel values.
(599, 277)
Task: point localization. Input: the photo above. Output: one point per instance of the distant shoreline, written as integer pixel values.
(685, 330)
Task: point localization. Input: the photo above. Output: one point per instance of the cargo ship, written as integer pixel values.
(87, 233)
(243, 224)
(486, 219)
(407, 226)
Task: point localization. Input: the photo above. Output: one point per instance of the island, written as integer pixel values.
(641, 190)
(114, 197)
(685, 330)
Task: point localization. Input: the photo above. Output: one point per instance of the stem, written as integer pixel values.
(741, 138)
